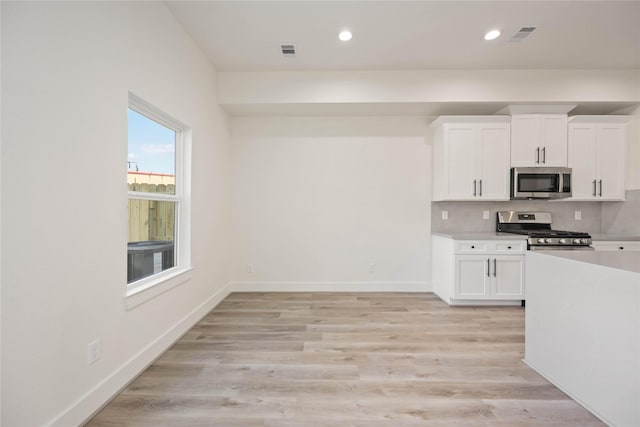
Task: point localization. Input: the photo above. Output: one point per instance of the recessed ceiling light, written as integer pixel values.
(345, 35)
(493, 34)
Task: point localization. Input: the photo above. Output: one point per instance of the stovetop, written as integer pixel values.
(537, 226)
(548, 233)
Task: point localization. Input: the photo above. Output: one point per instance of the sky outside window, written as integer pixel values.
(151, 146)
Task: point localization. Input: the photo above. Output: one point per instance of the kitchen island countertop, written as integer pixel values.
(627, 261)
(614, 238)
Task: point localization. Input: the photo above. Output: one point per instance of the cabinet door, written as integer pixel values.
(582, 161)
(507, 273)
(525, 138)
(472, 277)
(553, 140)
(460, 163)
(493, 162)
(611, 159)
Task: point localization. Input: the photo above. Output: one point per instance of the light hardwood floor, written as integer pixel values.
(345, 360)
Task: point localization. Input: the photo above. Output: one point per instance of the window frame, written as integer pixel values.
(140, 291)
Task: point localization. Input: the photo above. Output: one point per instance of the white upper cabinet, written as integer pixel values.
(539, 140)
(471, 158)
(597, 157)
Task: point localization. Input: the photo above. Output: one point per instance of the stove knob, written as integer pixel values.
(540, 240)
(584, 241)
(576, 241)
(547, 240)
(563, 241)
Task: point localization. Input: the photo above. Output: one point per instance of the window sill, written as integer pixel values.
(146, 289)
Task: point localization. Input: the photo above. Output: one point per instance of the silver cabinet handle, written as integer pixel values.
(488, 268)
(474, 188)
(480, 187)
(544, 154)
(538, 155)
(495, 267)
(600, 182)
(594, 188)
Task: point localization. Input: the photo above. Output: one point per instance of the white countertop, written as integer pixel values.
(621, 260)
(481, 236)
(509, 236)
(614, 238)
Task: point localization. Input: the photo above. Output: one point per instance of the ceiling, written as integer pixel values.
(401, 35)
(412, 35)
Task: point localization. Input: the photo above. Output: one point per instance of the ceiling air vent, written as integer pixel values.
(522, 34)
(288, 50)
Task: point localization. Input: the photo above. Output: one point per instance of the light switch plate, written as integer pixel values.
(445, 215)
(578, 215)
(485, 214)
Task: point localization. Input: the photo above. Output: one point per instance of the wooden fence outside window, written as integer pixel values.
(151, 219)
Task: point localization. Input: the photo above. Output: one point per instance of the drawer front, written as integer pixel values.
(616, 246)
(510, 247)
(471, 247)
(491, 246)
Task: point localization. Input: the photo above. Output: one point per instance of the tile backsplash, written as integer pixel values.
(468, 216)
(622, 218)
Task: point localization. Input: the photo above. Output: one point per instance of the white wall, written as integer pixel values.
(633, 159)
(66, 72)
(317, 200)
(412, 86)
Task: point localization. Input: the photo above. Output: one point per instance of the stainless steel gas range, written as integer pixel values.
(537, 226)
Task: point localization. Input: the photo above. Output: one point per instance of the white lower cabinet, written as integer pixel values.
(508, 279)
(493, 277)
(478, 272)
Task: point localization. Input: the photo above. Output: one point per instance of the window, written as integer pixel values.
(156, 181)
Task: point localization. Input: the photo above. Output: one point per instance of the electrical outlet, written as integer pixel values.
(578, 215)
(372, 267)
(445, 215)
(485, 214)
(250, 268)
(95, 351)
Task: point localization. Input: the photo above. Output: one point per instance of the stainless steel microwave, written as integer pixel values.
(540, 183)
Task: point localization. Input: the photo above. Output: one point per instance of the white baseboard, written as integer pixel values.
(331, 286)
(89, 404)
